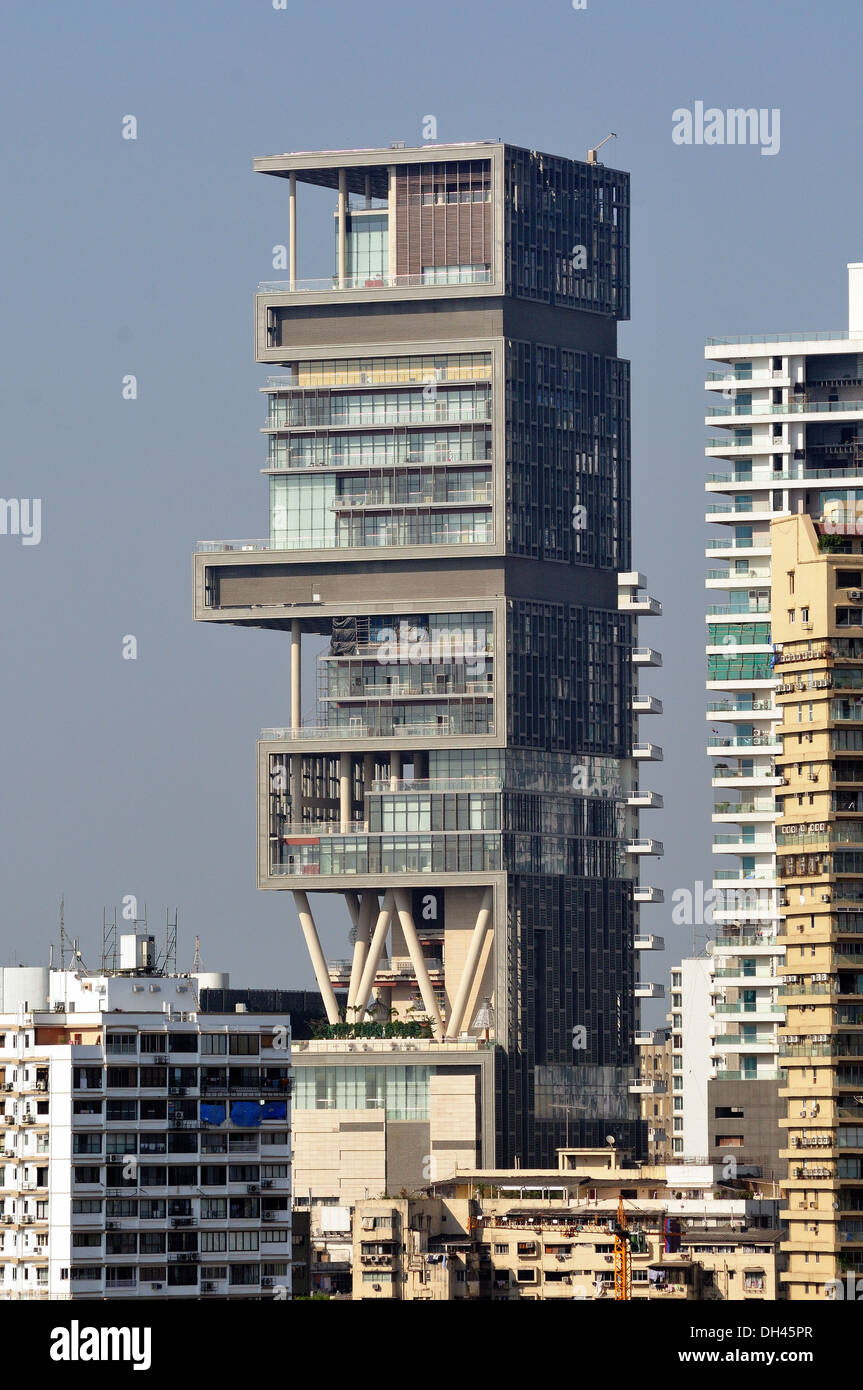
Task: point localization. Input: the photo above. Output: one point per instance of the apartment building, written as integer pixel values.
(792, 422)
(656, 1095)
(549, 1234)
(818, 636)
(448, 566)
(146, 1147)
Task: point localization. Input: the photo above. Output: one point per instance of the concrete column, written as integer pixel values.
(418, 960)
(391, 221)
(368, 774)
(345, 789)
(363, 922)
(474, 950)
(296, 762)
(296, 675)
(313, 945)
(292, 232)
(343, 227)
(395, 769)
(378, 941)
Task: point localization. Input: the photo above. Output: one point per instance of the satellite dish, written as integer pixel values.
(609, 1139)
(710, 947)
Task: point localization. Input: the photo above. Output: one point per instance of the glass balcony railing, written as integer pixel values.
(459, 852)
(792, 407)
(841, 336)
(467, 275)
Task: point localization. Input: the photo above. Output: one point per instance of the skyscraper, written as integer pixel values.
(449, 473)
(794, 422)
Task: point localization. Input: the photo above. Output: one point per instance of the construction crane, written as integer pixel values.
(591, 154)
(622, 1256)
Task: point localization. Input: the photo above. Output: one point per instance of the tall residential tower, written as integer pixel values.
(449, 474)
(793, 415)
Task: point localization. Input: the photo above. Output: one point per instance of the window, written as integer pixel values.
(728, 1141)
(791, 581)
(244, 1045)
(214, 1044)
(214, 1241)
(213, 1209)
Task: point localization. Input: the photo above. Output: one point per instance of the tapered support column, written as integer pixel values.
(415, 952)
(313, 945)
(474, 951)
(292, 232)
(345, 790)
(343, 228)
(382, 926)
(367, 910)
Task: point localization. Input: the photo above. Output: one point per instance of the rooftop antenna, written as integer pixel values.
(591, 154)
(197, 963)
(64, 943)
(170, 963)
(109, 942)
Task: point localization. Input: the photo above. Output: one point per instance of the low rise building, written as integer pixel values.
(514, 1234)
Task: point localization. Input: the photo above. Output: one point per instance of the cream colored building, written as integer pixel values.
(519, 1234)
(818, 630)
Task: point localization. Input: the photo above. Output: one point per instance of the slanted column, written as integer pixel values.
(468, 974)
(378, 941)
(313, 945)
(368, 908)
(415, 951)
(343, 228)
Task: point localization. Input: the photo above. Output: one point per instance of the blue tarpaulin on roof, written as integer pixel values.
(212, 1114)
(246, 1113)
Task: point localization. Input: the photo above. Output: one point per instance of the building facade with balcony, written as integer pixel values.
(506, 1235)
(791, 408)
(818, 630)
(146, 1145)
(449, 548)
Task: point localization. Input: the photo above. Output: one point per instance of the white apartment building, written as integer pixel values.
(145, 1149)
(691, 1045)
(790, 411)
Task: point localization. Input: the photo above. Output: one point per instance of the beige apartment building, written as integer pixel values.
(817, 622)
(520, 1234)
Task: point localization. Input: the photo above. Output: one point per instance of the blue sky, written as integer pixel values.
(136, 777)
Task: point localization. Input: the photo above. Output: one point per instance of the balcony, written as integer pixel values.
(647, 752)
(643, 893)
(645, 847)
(646, 704)
(640, 603)
(649, 990)
(646, 656)
(338, 853)
(648, 1086)
(649, 943)
(468, 275)
(645, 801)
